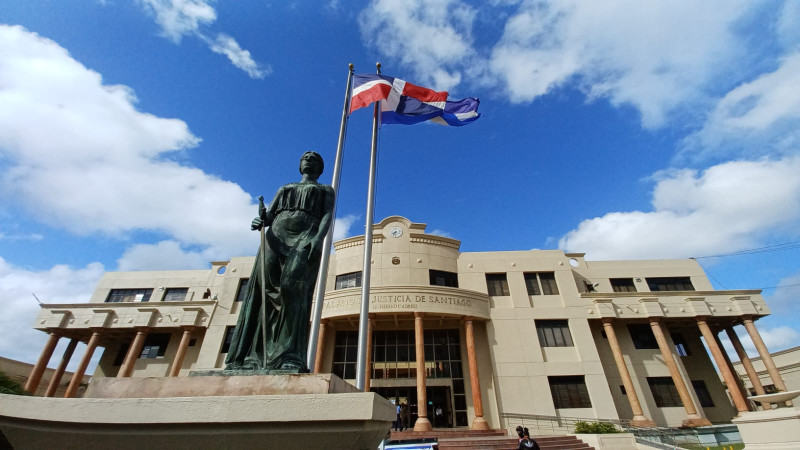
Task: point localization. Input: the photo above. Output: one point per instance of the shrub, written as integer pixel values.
(595, 428)
(9, 386)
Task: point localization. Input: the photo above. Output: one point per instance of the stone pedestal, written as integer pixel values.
(773, 429)
(212, 412)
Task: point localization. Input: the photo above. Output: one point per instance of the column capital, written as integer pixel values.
(608, 319)
(467, 318)
(418, 315)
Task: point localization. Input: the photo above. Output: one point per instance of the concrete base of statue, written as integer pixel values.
(316, 411)
(773, 428)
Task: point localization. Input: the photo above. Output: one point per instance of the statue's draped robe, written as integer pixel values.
(296, 213)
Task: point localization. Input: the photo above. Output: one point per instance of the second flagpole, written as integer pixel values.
(363, 320)
(322, 276)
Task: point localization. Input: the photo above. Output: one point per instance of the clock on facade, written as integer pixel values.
(396, 232)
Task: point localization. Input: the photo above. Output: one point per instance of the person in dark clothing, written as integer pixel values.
(526, 443)
(520, 432)
(404, 416)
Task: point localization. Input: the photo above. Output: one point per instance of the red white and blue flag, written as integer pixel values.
(406, 103)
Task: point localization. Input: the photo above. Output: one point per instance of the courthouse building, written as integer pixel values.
(532, 332)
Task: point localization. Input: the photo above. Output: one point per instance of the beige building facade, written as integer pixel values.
(464, 338)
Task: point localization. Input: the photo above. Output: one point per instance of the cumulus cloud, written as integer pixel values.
(655, 57)
(432, 37)
(662, 59)
(776, 339)
(442, 233)
(724, 208)
(759, 117)
(21, 237)
(60, 284)
(179, 18)
(88, 161)
(341, 228)
(226, 45)
(165, 255)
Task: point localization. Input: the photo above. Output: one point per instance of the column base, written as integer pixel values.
(642, 422)
(423, 424)
(480, 424)
(695, 421)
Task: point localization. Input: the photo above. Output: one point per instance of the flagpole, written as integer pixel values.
(322, 277)
(363, 322)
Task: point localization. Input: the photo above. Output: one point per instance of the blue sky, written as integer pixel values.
(138, 134)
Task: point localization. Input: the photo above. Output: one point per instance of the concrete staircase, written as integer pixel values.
(450, 439)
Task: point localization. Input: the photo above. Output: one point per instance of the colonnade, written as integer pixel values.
(693, 419)
(125, 370)
(423, 422)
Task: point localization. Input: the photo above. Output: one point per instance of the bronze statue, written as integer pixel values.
(272, 331)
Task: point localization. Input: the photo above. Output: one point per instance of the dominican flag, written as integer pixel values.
(406, 103)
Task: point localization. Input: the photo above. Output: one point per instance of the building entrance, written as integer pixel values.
(439, 400)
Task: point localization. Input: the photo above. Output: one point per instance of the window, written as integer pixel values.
(348, 280)
(226, 344)
(242, 291)
(623, 285)
(702, 393)
(569, 392)
(670, 284)
(441, 278)
(664, 392)
(642, 336)
(155, 346)
(345, 354)
(129, 295)
(175, 294)
(680, 344)
(554, 333)
(123, 350)
(497, 284)
(541, 283)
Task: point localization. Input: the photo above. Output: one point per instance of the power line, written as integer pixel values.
(751, 251)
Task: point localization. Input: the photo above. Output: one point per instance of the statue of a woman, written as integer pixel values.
(298, 219)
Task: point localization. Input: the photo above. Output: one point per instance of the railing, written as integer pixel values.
(551, 424)
(660, 437)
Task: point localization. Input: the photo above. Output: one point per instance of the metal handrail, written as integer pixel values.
(672, 437)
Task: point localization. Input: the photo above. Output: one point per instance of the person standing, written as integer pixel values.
(404, 416)
(397, 423)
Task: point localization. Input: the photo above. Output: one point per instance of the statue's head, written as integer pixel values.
(311, 163)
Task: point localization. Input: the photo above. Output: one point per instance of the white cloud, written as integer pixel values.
(179, 18)
(784, 299)
(226, 45)
(166, 255)
(776, 339)
(654, 56)
(722, 209)
(432, 37)
(442, 233)
(81, 157)
(60, 284)
(789, 24)
(341, 228)
(759, 117)
(21, 237)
